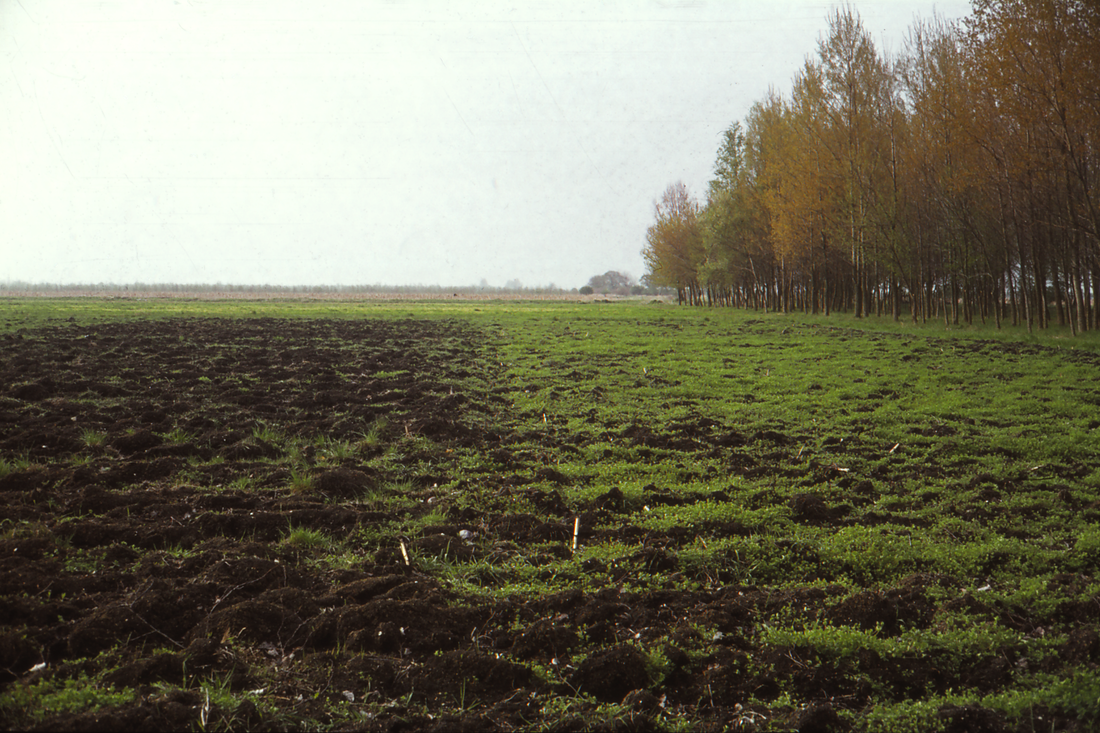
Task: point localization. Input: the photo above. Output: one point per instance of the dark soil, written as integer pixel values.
(138, 556)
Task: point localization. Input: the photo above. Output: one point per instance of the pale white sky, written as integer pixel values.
(304, 142)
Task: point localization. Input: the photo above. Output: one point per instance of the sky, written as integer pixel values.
(362, 142)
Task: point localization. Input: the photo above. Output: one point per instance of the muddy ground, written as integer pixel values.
(145, 542)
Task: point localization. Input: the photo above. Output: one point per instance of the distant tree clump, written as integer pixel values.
(610, 282)
(958, 180)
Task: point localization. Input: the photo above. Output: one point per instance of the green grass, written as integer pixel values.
(375, 435)
(304, 538)
(962, 462)
(93, 438)
(32, 703)
(178, 437)
(300, 482)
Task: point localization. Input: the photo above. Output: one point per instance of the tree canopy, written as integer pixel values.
(956, 180)
(611, 281)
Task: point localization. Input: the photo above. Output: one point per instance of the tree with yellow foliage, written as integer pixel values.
(674, 244)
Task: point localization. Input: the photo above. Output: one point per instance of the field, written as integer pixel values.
(541, 516)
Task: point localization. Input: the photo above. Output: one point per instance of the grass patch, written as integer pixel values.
(761, 506)
(304, 538)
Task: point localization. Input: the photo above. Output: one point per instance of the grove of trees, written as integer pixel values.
(611, 281)
(959, 180)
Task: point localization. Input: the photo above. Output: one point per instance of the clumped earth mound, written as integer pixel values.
(178, 480)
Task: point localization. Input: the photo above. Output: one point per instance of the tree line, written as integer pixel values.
(955, 180)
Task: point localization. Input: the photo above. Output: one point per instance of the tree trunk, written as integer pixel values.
(998, 299)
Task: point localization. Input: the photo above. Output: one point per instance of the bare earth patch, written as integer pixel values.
(177, 483)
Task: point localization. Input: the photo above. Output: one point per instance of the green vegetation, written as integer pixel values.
(891, 182)
(304, 538)
(35, 702)
(747, 509)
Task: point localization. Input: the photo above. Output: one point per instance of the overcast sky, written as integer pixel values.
(305, 142)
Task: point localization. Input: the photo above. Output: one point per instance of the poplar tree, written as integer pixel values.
(674, 244)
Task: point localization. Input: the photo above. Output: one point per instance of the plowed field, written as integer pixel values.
(214, 523)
